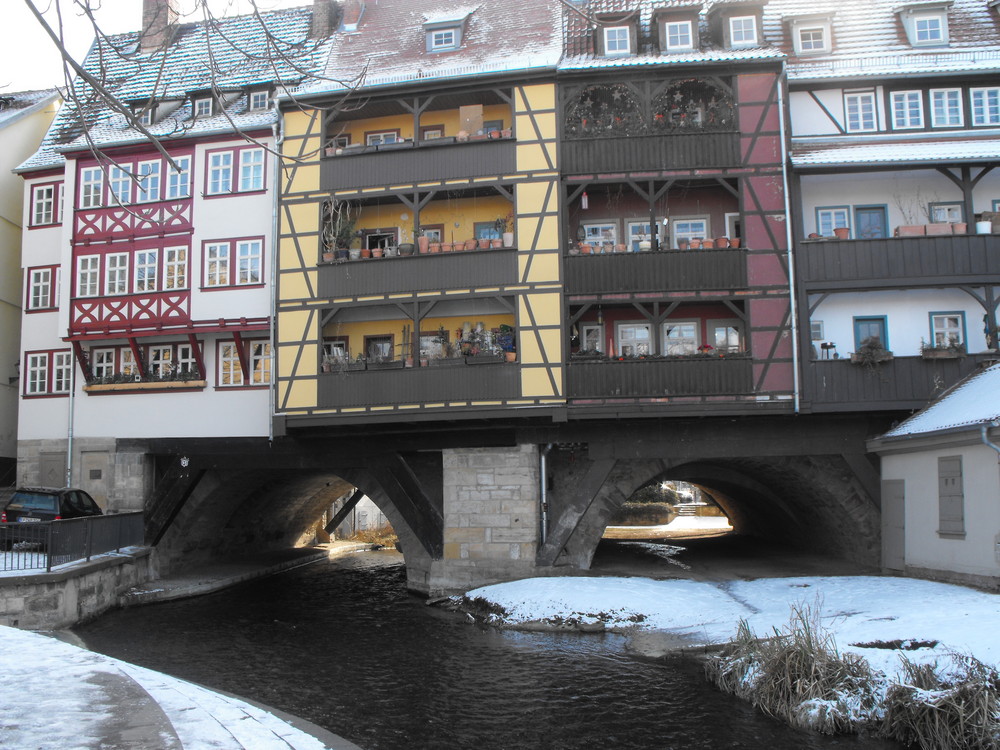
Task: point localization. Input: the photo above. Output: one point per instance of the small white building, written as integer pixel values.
(941, 486)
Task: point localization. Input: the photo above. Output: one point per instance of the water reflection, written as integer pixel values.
(343, 645)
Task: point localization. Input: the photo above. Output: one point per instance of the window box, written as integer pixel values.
(871, 358)
(392, 364)
(482, 359)
(931, 352)
(910, 230)
(151, 385)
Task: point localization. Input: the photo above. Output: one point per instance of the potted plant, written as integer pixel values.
(871, 353)
(953, 349)
(505, 228)
(337, 233)
(507, 341)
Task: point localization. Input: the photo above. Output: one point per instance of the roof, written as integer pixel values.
(17, 104)
(389, 46)
(972, 150)
(971, 403)
(231, 54)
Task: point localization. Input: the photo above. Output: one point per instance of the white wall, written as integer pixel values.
(976, 554)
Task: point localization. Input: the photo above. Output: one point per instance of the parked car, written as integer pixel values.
(32, 505)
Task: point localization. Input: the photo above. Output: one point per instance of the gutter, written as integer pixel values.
(788, 238)
(277, 130)
(543, 499)
(986, 441)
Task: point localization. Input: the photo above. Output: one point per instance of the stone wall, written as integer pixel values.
(491, 517)
(75, 593)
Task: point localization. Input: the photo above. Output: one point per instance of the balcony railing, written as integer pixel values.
(130, 311)
(649, 152)
(496, 381)
(423, 161)
(900, 383)
(668, 270)
(658, 378)
(134, 220)
(419, 273)
(898, 261)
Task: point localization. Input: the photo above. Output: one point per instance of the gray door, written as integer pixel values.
(893, 525)
(52, 469)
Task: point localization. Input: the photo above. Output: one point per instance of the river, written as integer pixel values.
(343, 645)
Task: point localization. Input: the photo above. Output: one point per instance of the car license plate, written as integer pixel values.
(28, 519)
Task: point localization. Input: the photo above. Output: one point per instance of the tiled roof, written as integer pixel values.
(971, 403)
(14, 104)
(390, 43)
(897, 152)
(233, 55)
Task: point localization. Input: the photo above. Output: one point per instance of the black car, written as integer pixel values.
(31, 505)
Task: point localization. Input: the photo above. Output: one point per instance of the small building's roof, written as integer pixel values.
(971, 403)
(909, 152)
(228, 54)
(17, 104)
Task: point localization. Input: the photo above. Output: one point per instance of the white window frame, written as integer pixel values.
(812, 39)
(249, 262)
(860, 113)
(202, 107)
(102, 362)
(635, 231)
(929, 29)
(713, 326)
(251, 170)
(230, 371)
(832, 217)
(41, 288)
(91, 187)
(88, 276)
(946, 108)
(36, 374)
(442, 39)
(600, 233)
(144, 115)
(220, 173)
(217, 266)
(116, 268)
(128, 366)
(146, 270)
(617, 41)
(44, 206)
(259, 100)
(179, 180)
(689, 228)
(62, 371)
(120, 184)
(149, 181)
(595, 331)
(381, 137)
(680, 345)
(985, 106)
(816, 330)
(743, 31)
(947, 212)
(175, 267)
(259, 362)
(678, 35)
(907, 110)
(948, 329)
(161, 360)
(186, 361)
(625, 336)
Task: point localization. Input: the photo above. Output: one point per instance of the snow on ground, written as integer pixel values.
(856, 609)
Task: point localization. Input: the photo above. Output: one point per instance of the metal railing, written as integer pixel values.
(43, 545)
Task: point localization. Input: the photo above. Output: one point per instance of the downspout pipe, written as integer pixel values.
(279, 136)
(783, 78)
(543, 493)
(69, 426)
(986, 440)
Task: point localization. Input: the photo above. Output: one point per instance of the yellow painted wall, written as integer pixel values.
(356, 129)
(463, 211)
(355, 332)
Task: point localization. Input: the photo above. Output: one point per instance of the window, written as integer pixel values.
(946, 108)
(220, 172)
(591, 337)
(616, 40)
(430, 132)
(816, 330)
(203, 107)
(234, 263)
(871, 328)
(948, 329)
(116, 273)
(985, 106)
(636, 232)
(230, 371)
(486, 230)
(175, 268)
(337, 349)
(377, 139)
(726, 336)
(907, 110)
(48, 373)
(145, 271)
(259, 100)
(91, 187)
(951, 497)
(144, 115)
(680, 337)
(260, 362)
(378, 348)
(928, 29)
(128, 363)
(160, 360)
(149, 181)
(41, 288)
(186, 361)
(743, 31)
(601, 234)
(102, 363)
(859, 112)
(179, 179)
(871, 222)
(812, 39)
(120, 185)
(678, 35)
(251, 170)
(633, 339)
(442, 39)
(947, 212)
(835, 217)
(687, 228)
(44, 209)
(88, 271)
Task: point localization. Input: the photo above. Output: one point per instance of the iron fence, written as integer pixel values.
(45, 544)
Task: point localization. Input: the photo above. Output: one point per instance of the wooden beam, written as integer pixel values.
(580, 501)
(168, 497)
(341, 514)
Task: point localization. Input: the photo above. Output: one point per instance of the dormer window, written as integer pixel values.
(743, 31)
(617, 41)
(678, 36)
(259, 100)
(812, 40)
(144, 116)
(444, 31)
(928, 29)
(811, 35)
(203, 107)
(442, 39)
(926, 23)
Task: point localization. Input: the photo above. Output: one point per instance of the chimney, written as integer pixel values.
(325, 17)
(353, 10)
(159, 18)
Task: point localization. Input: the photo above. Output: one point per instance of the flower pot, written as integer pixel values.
(434, 247)
(341, 253)
(378, 252)
(960, 227)
(447, 247)
(620, 247)
(484, 244)
(423, 243)
(842, 233)
(984, 227)
(496, 243)
(734, 242)
(695, 243)
(939, 228)
(645, 246)
(471, 244)
(910, 230)
(510, 356)
(406, 248)
(508, 239)
(354, 253)
(708, 244)
(328, 257)
(682, 244)
(586, 249)
(507, 132)
(366, 252)
(722, 242)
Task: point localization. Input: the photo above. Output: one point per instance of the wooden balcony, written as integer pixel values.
(423, 161)
(668, 270)
(497, 381)
(659, 378)
(651, 152)
(898, 262)
(129, 312)
(137, 220)
(419, 273)
(902, 383)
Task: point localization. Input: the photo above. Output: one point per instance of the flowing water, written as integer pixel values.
(343, 645)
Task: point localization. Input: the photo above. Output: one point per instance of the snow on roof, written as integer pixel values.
(971, 403)
(897, 152)
(15, 104)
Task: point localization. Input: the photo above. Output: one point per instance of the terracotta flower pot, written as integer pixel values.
(708, 244)
(423, 243)
(471, 244)
(366, 252)
(620, 247)
(734, 242)
(496, 243)
(434, 247)
(842, 233)
(586, 249)
(694, 243)
(484, 244)
(722, 242)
